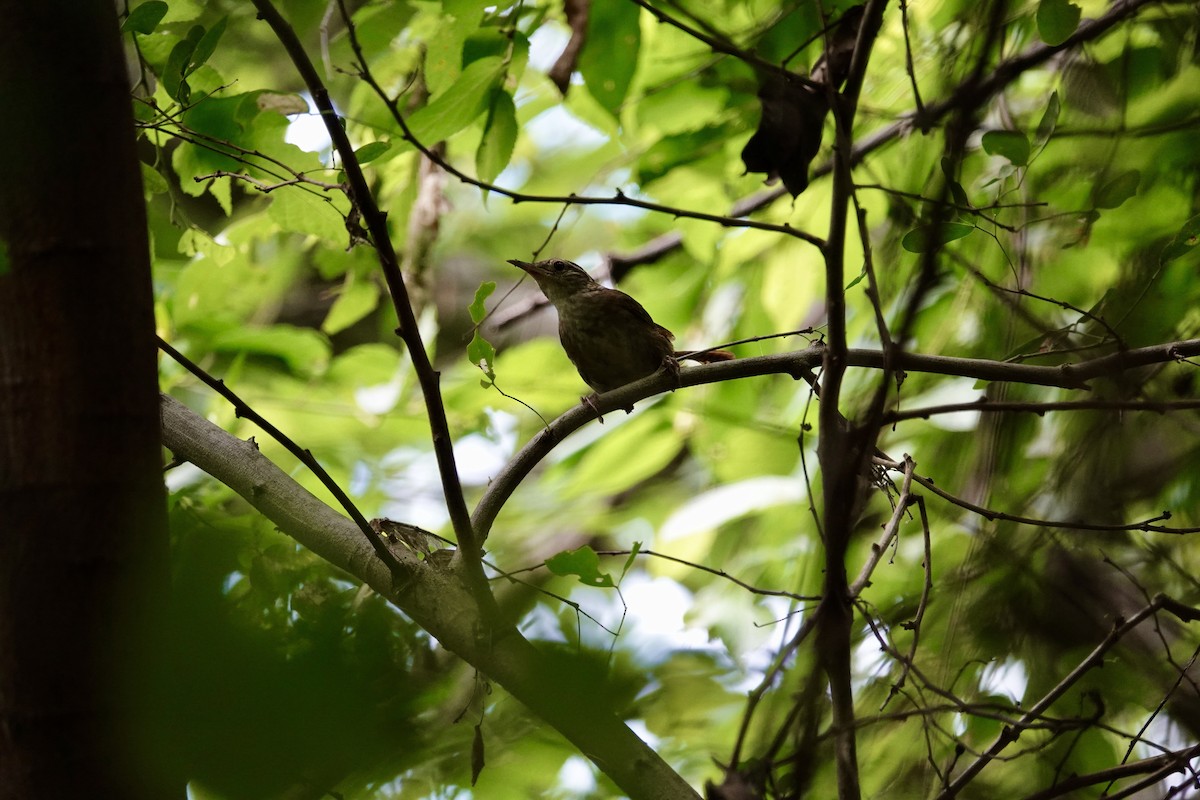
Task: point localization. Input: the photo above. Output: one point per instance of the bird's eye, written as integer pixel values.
(559, 265)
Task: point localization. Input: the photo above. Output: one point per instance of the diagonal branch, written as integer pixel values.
(376, 223)
(435, 597)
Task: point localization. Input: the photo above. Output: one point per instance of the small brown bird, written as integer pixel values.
(607, 334)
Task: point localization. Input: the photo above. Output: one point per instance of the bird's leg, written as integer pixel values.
(590, 402)
(671, 365)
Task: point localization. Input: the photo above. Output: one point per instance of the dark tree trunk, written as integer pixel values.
(82, 516)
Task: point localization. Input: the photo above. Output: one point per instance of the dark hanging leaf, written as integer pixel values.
(789, 133)
(477, 754)
(577, 20)
(833, 66)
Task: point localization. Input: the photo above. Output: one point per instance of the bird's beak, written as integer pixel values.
(525, 265)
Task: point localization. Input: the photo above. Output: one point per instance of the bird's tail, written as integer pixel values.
(704, 356)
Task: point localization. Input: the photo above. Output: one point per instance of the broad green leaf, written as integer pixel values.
(1045, 128)
(477, 308)
(584, 564)
(610, 54)
(459, 105)
(208, 43)
(499, 137)
(927, 237)
(1012, 145)
(299, 210)
(444, 57)
(305, 351)
(354, 302)
(1057, 20)
(371, 151)
(173, 73)
(145, 18)
(1118, 190)
(481, 353)
(153, 182)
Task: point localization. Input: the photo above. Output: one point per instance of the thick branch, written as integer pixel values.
(435, 597)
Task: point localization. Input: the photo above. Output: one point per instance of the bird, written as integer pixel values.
(609, 337)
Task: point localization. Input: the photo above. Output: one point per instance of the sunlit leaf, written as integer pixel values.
(477, 309)
(499, 137)
(610, 53)
(459, 105)
(354, 302)
(371, 151)
(583, 563)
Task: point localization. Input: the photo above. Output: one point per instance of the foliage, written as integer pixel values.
(999, 198)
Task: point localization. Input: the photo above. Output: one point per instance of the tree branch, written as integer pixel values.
(436, 598)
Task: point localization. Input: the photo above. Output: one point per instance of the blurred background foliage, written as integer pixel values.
(1079, 193)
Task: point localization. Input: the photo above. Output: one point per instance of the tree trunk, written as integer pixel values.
(82, 516)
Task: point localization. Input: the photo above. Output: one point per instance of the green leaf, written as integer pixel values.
(153, 182)
(927, 237)
(177, 62)
(629, 562)
(306, 352)
(1046, 127)
(371, 151)
(481, 353)
(444, 57)
(956, 189)
(145, 18)
(583, 563)
(1012, 145)
(477, 309)
(1183, 241)
(304, 212)
(499, 137)
(1057, 20)
(208, 43)
(1119, 189)
(354, 302)
(459, 105)
(610, 55)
